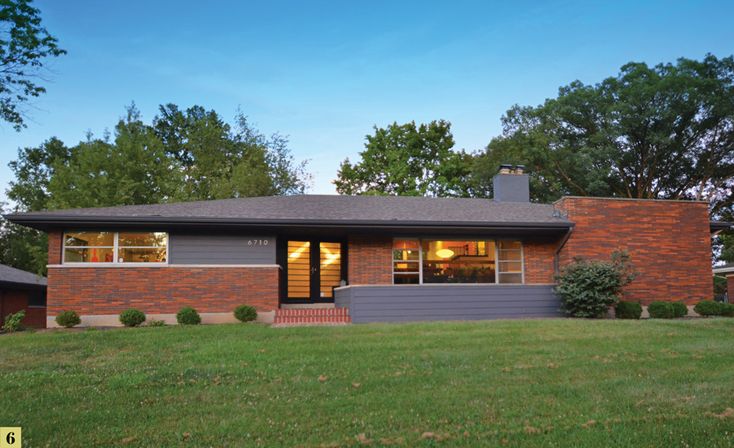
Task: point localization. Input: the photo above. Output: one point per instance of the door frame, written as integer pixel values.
(282, 260)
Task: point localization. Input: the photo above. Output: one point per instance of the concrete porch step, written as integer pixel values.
(311, 316)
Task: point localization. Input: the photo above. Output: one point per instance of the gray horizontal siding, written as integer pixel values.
(220, 249)
(447, 302)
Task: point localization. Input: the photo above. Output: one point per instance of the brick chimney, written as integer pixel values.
(511, 184)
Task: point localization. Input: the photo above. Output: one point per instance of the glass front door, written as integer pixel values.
(313, 269)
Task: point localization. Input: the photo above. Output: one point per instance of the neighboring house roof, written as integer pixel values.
(718, 226)
(724, 269)
(20, 277)
(314, 210)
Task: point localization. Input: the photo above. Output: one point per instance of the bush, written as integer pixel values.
(245, 313)
(628, 310)
(709, 308)
(679, 309)
(588, 288)
(188, 316)
(12, 321)
(727, 309)
(68, 319)
(132, 317)
(661, 310)
(156, 323)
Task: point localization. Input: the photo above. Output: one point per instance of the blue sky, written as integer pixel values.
(324, 73)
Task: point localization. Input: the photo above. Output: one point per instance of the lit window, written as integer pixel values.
(406, 261)
(457, 261)
(113, 247)
(454, 261)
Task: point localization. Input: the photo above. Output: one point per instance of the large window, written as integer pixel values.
(115, 247)
(457, 261)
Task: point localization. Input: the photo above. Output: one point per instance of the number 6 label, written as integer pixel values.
(10, 437)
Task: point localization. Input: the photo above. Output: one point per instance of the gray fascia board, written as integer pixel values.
(61, 220)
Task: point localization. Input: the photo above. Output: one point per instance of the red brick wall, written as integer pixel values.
(12, 301)
(669, 243)
(160, 290)
(54, 247)
(539, 261)
(730, 287)
(370, 260)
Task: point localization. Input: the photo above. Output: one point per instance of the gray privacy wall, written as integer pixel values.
(220, 249)
(401, 303)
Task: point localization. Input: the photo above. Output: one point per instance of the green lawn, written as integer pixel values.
(515, 383)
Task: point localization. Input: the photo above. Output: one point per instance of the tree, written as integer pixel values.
(222, 161)
(184, 156)
(663, 132)
(24, 45)
(407, 160)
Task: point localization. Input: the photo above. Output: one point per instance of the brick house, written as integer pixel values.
(381, 258)
(23, 291)
(727, 271)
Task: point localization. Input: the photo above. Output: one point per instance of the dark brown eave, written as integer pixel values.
(67, 221)
(720, 226)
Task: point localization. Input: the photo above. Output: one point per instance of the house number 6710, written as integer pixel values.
(258, 242)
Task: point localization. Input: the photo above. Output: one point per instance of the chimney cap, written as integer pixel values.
(519, 169)
(505, 168)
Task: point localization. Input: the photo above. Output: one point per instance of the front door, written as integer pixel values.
(313, 269)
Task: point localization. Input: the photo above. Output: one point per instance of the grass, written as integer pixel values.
(515, 383)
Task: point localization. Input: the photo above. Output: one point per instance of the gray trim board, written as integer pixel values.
(221, 249)
(404, 303)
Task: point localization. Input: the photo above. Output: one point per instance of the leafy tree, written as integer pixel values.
(187, 155)
(24, 45)
(407, 160)
(132, 169)
(221, 161)
(663, 132)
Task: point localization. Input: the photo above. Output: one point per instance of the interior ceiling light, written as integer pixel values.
(445, 253)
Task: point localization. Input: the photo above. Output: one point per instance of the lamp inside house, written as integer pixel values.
(445, 253)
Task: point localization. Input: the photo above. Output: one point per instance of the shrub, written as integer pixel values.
(709, 308)
(727, 309)
(188, 316)
(588, 288)
(68, 319)
(245, 313)
(12, 321)
(628, 310)
(132, 317)
(679, 309)
(156, 323)
(661, 310)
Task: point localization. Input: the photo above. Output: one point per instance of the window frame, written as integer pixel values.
(420, 261)
(115, 250)
(496, 260)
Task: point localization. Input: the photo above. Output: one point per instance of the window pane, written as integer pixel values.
(145, 239)
(400, 266)
(299, 269)
(330, 267)
(510, 266)
(142, 255)
(406, 279)
(510, 245)
(90, 239)
(405, 250)
(458, 261)
(510, 278)
(90, 255)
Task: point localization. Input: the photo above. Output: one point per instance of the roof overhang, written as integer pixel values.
(46, 222)
(720, 226)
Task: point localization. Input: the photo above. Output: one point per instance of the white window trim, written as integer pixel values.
(496, 260)
(115, 252)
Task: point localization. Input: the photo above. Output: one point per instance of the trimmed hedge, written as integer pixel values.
(132, 317)
(728, 310)
(680, 309)
(188, 316)
(661, 310)
(709, 308)
(245, 313)
(628, 310)
(68, 319)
